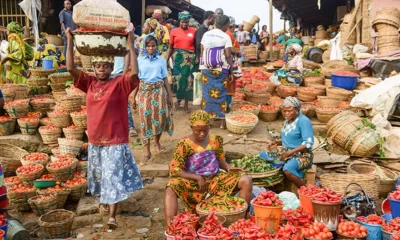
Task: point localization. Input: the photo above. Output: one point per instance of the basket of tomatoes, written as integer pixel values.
(183, 225)
(70, 146)
(78, 188)
(350, 230)
(11, 181)
(42, 105)
(287, 90)
(268, 113)
(43, 203)
(18, 196)
(307, 94)
(62, 170)
(50, 134)
(257, 93)
(28, 126)
(245, 107)
(74, 132)
(240, 122)
(80, 118)
(7, 125)
(82, 166)
(30, 172)
(59, 118)
(17, 108)
(36, 157)
(61, 157)
(61, 194)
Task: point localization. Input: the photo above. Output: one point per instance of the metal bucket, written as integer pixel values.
(16, 231)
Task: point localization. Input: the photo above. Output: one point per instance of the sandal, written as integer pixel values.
(146, 160)
(112, 224)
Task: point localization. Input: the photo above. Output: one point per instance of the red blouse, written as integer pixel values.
(181, 39)
(107, 102)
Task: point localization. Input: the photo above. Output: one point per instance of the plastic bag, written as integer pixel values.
(290, 200)
(3, 49)
(101, 15)
(197, 89)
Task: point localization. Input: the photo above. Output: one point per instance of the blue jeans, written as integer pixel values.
(131, 124)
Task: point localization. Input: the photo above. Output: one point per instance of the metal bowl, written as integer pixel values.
(101, 43)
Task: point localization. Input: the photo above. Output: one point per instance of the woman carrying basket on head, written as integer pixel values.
(112, 172)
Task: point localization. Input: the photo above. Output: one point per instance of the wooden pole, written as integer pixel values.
(358, 18)
(270, 31)
(143, 11)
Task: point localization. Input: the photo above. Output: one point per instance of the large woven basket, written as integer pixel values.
(60, 120)
(28, 128)
(37, 81)
(19, 200)
(306, 96)
(328, 102)
(72, 103)
(58, 95)
(264, 174)
(320, 88)
(257, 97)
(7, 127)
(40, 207)
(57, 87)
(324, 116)
(338, 182)
(271, 87)
(231, 217)
(250, 52)
(50, 136)
(76, 133)
(338, 93)
(343, 133)
(19, 91)
(286, 90)
(386, 185)
(313, 79)
(366, 144)
(32, 176)
(268, 115)
(343, 116)
(8, 94)
(60, 78)
(63, 174)
(18, 111)
(39, 72)
(332, 66)
(42, 105)
(240, 127)
(10, 156)
(70, 146)
(77, 191)
(311, 109)
(236, 107)
(43, 161)
(57, 223)
(61, 196)
(79, 120)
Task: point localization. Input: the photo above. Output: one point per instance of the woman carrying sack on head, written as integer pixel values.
(17, 69)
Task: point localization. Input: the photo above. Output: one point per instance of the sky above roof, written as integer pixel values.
(244, 10)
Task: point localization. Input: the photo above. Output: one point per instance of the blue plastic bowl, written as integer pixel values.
(346, 82)
(395, 207)
(374, 231)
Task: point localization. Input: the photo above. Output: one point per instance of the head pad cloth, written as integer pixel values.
(199, 118)
(107, 59)
(157, 14)
(15, 27)
(296, 47)
(153, 23)
(292, 102)
(184, 16)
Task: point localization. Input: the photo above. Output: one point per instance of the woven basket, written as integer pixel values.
(82, 166)
(8, 94)
(332, 66)
(80, 120)
(58, 95)
(42, 161)
(338, 182)
(19, 200)
(268, 115)
(60, 120)
(76, 133)
(18, 111)
(70, 147)
(63, 174)
(339, 93)
(236, 107)
(43, 206)
(239, 127)
(72, 103)
(250, 52)
(305, 96)
(324, 116)
(57, 87)
(50, 136)
(8, 185)
(264, 174)
(43, 106)
(328, 102)
(264, 184)
(77, 191)
(32, 176)
(328, 83)
(61, 196)
(20, 90)
(366, 144)
(57, 223)
(10, 156)
(282, 90)
(342, 133)
(28, 128)
(231, 217)
(60, 78)
(7, 127)
(271, 87)
(260, 97)
(38, 72)
(86, 61)
(343, 116)
(311, 113)
(320, 88)
(37, 81)
(386, 185)
(39, 90)
(313, 79)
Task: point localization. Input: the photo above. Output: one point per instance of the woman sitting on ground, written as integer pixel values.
(297, 142)
(294, 65)
(195, 169)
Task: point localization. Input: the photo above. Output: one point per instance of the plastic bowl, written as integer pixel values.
(101, 43)
(346, 82)
(44, 183)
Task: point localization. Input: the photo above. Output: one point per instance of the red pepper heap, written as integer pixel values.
(393, 226)
(213, 228)
(371, 219)
(181, 227)
(268, 199)
(248, 230)
(298, 217)
(327, 196)
(395, 195)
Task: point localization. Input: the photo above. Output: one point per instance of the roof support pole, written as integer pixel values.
(271, 38)
(143, 11)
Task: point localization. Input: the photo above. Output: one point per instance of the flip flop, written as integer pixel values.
(112, 224)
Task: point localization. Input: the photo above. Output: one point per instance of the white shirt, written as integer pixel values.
(216, 38)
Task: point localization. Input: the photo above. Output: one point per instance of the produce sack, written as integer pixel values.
(101, 15)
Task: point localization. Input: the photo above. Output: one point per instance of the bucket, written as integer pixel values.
(327, 213)
(386, 207)
(268, 218)
(395, 207)
(4, 228)
(388, 217)
(16, 231)
(374, 230)
(168, 237)
(386, 235)
(315, 54)
(346, 82)
(306, 203)
(47, 64)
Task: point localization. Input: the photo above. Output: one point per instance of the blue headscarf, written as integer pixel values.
(144, 52)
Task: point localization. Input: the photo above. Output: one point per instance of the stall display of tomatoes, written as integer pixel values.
(392, 226)
(47, 177)
(29, 169)
(21, 188)
(297, 217)
(75, 181)
(371, 219)
(12, 180)
(36, 156)
(61, 163)
(317, 231)
(287, 232)
(352, 229)
(268, 199)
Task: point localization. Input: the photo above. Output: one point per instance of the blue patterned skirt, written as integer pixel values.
(112, 173)
(214, 93)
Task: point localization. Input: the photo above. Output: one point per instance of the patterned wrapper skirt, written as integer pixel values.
(214, 93)
(188, 190)
(184, 65)
(112, 173)
(155, 116)
(298, 162)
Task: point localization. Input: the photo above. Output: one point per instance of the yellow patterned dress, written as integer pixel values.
(193, 158)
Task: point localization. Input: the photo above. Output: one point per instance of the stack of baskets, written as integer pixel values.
(58, 81)
(334, 65)
(40, 206)
(70, 147)
(63, 174)
(251, 52)
(18, 108)
(387, 23)
(287, 90)
(241, 122)
(38, 85)
(321, 89)
(320, 35)
(351, 133)
(28, 126)
(60, 119)
(50, 135)
(61, 195)
(74, 133)
(339, 93)
(7, 126)
(71, 103)
(14, 91)
(42, 105)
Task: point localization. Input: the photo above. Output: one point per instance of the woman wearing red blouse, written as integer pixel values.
(182, 47)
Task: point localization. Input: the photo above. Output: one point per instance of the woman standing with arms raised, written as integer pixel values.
(182, 47)
(112, 172)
